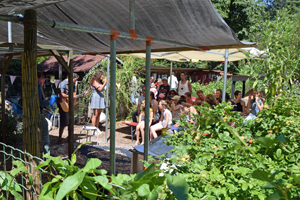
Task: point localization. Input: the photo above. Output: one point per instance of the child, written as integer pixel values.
(165, 119)
(141, 126)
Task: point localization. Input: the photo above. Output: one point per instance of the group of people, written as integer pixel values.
(166, 109)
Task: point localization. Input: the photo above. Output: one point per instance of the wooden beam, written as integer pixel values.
(71, 107)
(3, 71)
(39, 46)
(61, 60)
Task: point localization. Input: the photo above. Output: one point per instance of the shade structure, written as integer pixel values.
(85, 26)
(235, 54)
(192, 24)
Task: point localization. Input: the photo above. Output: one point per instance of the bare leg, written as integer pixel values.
(98, 117)
(143, 133)
(137, 132)
(153, 130)
(94, 118)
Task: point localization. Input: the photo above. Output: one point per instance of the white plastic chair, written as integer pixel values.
(89, 128)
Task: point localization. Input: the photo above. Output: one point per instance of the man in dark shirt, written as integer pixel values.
(164, 88)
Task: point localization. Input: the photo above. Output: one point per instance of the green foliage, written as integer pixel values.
(12, 137)
(67, 180)
(211, 86)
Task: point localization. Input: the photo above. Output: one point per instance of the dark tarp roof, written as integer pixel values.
(191, 22)
(81, 63)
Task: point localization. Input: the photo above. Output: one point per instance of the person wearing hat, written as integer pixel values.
(164, 88)
(153, 89)
(175, 107)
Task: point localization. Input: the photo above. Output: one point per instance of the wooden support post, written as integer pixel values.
(71, 106)
(3, 71)
(232, 89)
(32, 128)
(244, 89)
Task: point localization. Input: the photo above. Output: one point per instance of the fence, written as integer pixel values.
(8, 154)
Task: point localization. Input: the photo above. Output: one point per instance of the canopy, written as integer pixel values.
(174, 25)
(235, 54)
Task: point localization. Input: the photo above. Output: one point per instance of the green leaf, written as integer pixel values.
(144, 190)
(266, 142)
(73, 159)
(30, 182)
(296, 179)
(277, 195)
(262, 175)
(153, 195)
(281, 138)
(91, 164)
(71, 183)
(120, 178)
(100, 171)
(140, 175)
(43, 164)
(16, 195)
(102, 180)
(244, 186)
(178, 186)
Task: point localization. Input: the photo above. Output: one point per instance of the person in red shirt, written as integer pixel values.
(188, 97)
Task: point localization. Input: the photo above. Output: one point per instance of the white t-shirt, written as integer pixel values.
(174, 81)
(183, 88)
(164, 119)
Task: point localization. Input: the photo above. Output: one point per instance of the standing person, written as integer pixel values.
(63, 94)
(239, 103)
(164, 88)
(184, 85)
(136, 113)
(165, 120)
(43, 103)
(141, 126)
(152, 79)
(97, 103)
(174, 81)
(133, 88)
(7, 98)
(257, 106)
(218, 93)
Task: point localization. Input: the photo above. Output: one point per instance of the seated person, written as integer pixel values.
(185, 112)
(165, 120)
(161, 96)
(154, 106)
(136, 113)
(141, 126)
(173, 93)
(188, 97)
(239, 103)
(200, 95)
(211, 100)
(257, 106)
(175, 108)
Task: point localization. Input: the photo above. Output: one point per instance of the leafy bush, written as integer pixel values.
(67, 180)
(12, 135)
(221, 157)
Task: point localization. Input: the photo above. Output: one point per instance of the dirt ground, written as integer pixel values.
(123, 144)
